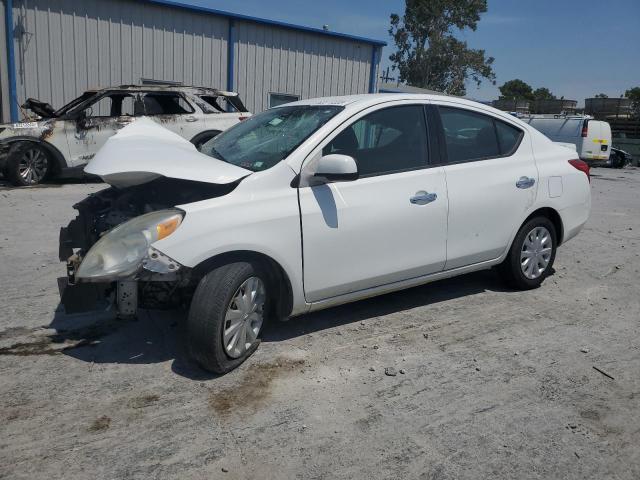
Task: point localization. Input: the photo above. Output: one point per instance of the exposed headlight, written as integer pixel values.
(120, 253)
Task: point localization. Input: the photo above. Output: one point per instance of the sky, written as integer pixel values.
(576, 48)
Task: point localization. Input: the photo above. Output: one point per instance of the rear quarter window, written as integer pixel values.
(508, 137)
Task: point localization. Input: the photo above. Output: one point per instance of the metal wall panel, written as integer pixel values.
(5, 115)
(268, 59)
(64, 47)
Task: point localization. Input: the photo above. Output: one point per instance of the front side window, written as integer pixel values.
(385, 141)
(474, 136)
(112, 105)
(265, 139)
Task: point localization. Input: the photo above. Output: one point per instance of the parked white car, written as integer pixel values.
(318, 203)
(61, 142)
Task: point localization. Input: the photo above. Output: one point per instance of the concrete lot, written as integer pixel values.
(496, 383)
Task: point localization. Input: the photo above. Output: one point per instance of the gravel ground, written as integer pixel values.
(488, 383)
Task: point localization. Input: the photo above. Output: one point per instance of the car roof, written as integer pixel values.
(164, 88)
(366, 100)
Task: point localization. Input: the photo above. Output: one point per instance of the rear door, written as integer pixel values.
(174, 112)
(388, 225)
(492, 182)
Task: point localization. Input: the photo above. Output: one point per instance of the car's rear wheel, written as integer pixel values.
(27, 164)
(532, 254)
(227, 314)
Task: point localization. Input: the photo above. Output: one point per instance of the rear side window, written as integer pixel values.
(219, 104)
(158, 103)
(474, 136)
(385, 141)
(508, 137)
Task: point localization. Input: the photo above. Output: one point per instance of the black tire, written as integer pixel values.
(511, 267)
(20, 151)
(206, 318)
(618, 161)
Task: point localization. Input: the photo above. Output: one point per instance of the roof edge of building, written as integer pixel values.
(264, 21)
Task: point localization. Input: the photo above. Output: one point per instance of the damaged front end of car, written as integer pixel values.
(109, 247)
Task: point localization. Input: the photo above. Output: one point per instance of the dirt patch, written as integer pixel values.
(100, 424)
(16, 332)
(143, 401)
(254, 388)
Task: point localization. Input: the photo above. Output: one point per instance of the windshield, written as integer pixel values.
(73, 103)
(268, 137)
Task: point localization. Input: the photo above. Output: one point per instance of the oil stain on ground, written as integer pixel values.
(254, 388)
(100, 424)
(56, 343)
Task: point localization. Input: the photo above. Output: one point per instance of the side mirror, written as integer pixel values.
(336, 168)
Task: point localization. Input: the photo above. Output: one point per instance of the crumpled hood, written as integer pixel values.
(143, 151)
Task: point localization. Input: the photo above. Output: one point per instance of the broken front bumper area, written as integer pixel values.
(81, 297)
(161, 282)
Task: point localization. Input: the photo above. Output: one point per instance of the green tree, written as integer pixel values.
(516, 90)
(633, 94)
(601, 95)
(428, 54)
(543, 93)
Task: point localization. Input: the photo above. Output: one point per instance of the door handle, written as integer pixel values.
(422, 198)
(191, 119)
(525, 182)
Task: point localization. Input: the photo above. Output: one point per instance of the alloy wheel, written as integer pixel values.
(33, 166)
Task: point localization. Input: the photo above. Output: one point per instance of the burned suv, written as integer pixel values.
(61, 142)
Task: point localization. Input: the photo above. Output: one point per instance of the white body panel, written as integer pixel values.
(366, 233)
(341, 242)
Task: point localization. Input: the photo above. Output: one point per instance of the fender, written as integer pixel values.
(546, 211)
(278, 274)
(60, 161)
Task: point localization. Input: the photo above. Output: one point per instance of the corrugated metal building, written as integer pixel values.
(54, 50)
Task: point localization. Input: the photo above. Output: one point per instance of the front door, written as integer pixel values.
(387, 226)
(492, 181)
(103, 119)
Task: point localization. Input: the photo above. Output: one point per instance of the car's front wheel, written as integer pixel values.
(27, 164)
(226, 317)
(532, 254)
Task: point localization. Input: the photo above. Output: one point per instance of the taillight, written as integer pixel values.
(242, 119)
(585, 128)
(582, 166)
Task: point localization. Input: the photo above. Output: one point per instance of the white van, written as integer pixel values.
(592, 138)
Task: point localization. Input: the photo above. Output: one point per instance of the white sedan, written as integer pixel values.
(318, 203)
